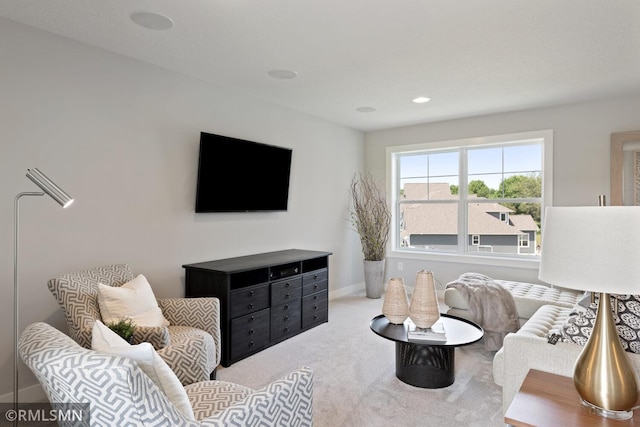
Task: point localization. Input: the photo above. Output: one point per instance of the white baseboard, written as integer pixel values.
(31, 394)
(349, 290)
(359, 288)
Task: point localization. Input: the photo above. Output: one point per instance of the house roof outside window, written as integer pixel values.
(442, 218)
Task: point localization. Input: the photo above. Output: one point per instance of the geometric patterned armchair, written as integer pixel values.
(190, 345)
(119, 393)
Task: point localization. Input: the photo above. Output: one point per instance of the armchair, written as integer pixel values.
(120, 393)
(190, 345)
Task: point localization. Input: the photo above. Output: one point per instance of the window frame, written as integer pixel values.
(464, 256)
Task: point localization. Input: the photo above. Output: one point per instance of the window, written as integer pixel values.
(450, 196)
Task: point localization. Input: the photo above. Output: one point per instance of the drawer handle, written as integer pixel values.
(251, 332)
(286, 306)
(315, 317)
(286, 318)
(288, 296)
(251, 293)
(251, 305)
(315, 307)
(315, 286)
(315, 276)
(251, 344)
(286, 329)
(286, 285)
(315, 297)
(252, 319)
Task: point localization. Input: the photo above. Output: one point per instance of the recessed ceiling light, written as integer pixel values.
(152, 21)
(421, 100)
(366, 109)
(283, 74)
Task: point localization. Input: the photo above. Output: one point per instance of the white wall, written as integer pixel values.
(122, 136)
(580, 162)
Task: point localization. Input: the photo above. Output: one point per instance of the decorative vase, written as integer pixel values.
(395, 306)
(374, 278)
(423, 310)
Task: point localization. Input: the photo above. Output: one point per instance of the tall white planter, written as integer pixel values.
(374, 278)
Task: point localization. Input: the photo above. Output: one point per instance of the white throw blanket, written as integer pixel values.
(491, 306)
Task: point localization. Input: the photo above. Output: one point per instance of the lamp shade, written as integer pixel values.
(49, 187)
(594, 249)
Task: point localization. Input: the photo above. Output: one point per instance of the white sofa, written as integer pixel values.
(528, 349)
(542, 310)
(528, 297)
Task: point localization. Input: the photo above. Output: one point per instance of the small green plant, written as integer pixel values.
(125, 328)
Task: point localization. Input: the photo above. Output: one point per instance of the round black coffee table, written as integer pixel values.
(428, 364)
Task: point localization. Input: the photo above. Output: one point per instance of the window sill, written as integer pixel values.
(532, 263)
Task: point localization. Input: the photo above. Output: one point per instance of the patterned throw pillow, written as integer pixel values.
(577, 328)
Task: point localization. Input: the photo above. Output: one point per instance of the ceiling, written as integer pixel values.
(470, 57)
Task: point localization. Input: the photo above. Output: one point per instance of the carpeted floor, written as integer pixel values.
(355, 382)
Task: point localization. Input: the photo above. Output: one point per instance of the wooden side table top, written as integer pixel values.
(548, 400)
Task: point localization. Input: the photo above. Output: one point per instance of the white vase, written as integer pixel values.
(395, 307)
(423, 310)
(374, 278)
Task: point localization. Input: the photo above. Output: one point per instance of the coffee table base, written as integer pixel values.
(425, 366)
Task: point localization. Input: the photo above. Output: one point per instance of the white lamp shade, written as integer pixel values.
(594, 249)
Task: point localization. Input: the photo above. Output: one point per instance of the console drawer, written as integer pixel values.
(315, 318)
(313, 287)
(315, 276)
(319, 299)
(249, 299)
(315, 309)
(285, 319)
(249, 333)
(286, 291)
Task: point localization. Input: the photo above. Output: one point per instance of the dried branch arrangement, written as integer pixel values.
(371, 216)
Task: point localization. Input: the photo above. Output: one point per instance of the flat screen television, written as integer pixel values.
(236, 175)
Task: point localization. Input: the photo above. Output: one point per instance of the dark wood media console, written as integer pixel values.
(264, 298)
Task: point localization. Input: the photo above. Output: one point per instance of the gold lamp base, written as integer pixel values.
(605, 413)
(603, 375)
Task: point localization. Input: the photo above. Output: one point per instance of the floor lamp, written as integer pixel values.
(57, 194)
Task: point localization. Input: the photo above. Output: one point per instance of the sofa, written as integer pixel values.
(528, 297)
(543, 312)
(113, 390)
(529, 349)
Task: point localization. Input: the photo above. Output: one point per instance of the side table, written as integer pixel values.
(548, 400)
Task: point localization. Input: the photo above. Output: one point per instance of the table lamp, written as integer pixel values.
(597, 249)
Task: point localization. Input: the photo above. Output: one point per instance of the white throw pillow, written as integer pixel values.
(106, 341)
(134, 300)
